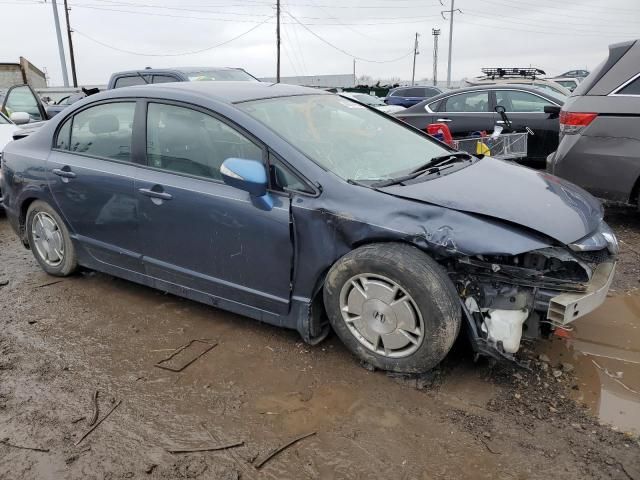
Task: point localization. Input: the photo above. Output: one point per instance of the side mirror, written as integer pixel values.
(552, 109)
(250, 176)
(20, 118)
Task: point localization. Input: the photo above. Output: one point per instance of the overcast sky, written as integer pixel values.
(318, 36)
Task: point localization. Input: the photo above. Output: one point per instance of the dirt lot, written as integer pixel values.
(60, 341)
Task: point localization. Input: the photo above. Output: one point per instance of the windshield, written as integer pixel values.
(345, 138)
(221, 75)
(3, 119)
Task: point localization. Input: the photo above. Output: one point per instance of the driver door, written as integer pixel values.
(199, 233)
(22, 98)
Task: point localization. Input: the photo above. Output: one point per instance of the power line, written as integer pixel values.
(218, 19)
(521, 4)
(344, 51)
(172, 54)
(545, 24)
(556, 33)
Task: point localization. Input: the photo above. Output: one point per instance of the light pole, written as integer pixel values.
(63, 61)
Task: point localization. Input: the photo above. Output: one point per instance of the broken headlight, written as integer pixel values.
(602, 238)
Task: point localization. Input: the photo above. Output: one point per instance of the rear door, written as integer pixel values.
(200, 233)
(91, 169)
(466, 113)
(525, 109)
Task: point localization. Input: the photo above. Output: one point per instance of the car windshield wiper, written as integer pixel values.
(433, 164)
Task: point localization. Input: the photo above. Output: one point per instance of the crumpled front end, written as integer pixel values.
(508, 298)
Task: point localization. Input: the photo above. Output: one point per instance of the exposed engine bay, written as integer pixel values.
(509, 298)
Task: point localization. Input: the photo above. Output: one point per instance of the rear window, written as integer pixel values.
(131, 81)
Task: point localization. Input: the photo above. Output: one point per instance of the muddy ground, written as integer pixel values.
(60, 341)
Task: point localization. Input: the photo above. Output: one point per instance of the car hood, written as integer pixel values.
(516, 194)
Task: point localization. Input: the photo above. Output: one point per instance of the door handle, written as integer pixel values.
(154, 194)
(445, 120)
(500, 122)
(63, 173)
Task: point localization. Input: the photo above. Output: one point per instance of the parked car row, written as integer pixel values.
(473, 109)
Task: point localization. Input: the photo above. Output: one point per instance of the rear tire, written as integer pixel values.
(49, 240)
(393, 307)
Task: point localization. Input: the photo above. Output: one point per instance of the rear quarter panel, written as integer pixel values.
(605, 158)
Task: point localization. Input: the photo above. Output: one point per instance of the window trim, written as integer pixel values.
(71, 117)
(315, 191)
(191, 106)
(625, 84)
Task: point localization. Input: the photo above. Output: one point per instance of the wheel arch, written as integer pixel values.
(318, 320)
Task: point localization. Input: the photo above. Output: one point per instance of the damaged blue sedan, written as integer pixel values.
(309, 211)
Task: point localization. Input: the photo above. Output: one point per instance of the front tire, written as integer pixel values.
(49, 240)
(393, 307)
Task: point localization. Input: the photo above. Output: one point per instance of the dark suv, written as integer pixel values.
(409, 96)
(600, 129)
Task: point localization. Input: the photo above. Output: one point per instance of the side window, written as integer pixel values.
(164, 79)
(131, 81)
(632, 88)
(63, 140)
(468, 102)
(413, 92)
(282, 178)
(430, 92)
(434, 106)
(22, 99)
(104, 131)
(187, 141)
(514, 101)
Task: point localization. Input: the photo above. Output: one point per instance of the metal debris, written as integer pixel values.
(96, 410)
(98, 423)
(5, 441)
(188, 361)
(206, 449)
(259, 463)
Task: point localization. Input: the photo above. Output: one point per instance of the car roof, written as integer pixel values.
(221, 91)
(493, 86)
(174, 69)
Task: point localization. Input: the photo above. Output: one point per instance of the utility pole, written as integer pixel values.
(415, 53)
(71, 55)
(278, 40)
(436, 33)
(451, 12)
(63, 62)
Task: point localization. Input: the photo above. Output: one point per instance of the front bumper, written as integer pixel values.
(567, 307)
